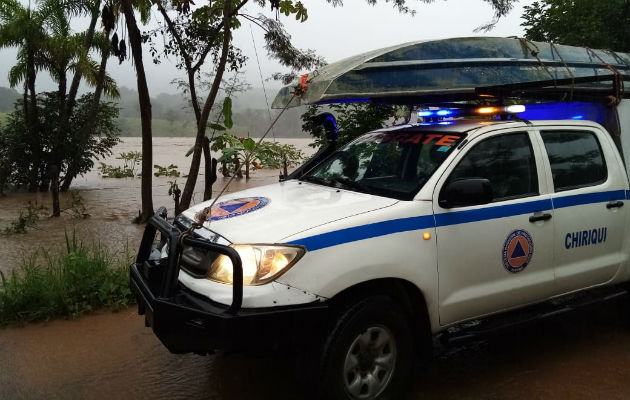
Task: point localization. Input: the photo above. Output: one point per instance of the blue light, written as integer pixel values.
(445, 123)
(444, 113)
(333, 121)
(425, 113)
(574, 110)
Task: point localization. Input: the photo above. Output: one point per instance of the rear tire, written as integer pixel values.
(368, 355)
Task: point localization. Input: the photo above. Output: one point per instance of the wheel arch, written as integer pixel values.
(405, 293)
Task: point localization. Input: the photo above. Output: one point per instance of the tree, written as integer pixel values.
(22, 28)
(47, 43)
(62, 52)
(19, 156)
(584, 23)
(207, 31)
(135, 41)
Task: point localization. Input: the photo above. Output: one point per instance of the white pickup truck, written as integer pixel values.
(402, 234)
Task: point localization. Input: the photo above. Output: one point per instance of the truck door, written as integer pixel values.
(590, 206)
(498, 255)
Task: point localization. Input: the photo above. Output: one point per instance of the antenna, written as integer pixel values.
(262, 81)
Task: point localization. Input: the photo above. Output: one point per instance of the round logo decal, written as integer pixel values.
(517, 251)
(236, 207)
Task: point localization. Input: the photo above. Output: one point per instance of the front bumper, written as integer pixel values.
(187, 322)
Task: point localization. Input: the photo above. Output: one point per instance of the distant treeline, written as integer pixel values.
(173, 117)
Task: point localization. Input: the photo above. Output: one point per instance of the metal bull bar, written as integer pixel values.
(175, 238)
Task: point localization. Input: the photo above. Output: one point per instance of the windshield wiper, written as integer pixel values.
(315, 179)
(346, 183)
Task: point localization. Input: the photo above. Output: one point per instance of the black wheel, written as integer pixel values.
(368, 355)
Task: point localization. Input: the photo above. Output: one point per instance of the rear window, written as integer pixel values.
(576, 159)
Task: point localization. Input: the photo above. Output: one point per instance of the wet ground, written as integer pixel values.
(583, 355)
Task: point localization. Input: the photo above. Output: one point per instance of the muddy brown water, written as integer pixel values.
(112, 203)
(582, 355)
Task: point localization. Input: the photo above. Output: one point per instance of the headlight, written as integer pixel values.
(261, 263)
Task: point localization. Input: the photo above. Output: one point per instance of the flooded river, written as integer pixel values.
(112, 203)
(583, 355)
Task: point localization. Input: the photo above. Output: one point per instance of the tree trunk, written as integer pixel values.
(58, 141)
(33, 113)
(207, 194)
(54, 189)
(201, 125)
(210, 169)
(71, 99)
(73, 168)
(135, 40)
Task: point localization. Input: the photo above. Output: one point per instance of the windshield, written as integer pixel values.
(391, 164)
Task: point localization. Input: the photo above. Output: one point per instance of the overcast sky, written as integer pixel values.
(334, 33)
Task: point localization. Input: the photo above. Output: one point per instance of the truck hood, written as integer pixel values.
(268, 214)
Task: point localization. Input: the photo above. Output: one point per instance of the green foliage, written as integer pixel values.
(282, 156)
(241, 153)
(170, 171)
(25, 158)
(76, 281)
(127, 170)
(585, 23)
(28, 218)
(110, 171)
(227, 113)
(353, 120)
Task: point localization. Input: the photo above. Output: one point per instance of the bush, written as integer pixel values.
(76, 281)
(26, 158)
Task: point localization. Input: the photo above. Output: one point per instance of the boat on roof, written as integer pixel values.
(460, 69)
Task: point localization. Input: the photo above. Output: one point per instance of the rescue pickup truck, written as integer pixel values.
(403, 234)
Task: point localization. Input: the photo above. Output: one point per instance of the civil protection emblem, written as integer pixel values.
(517, 251)
(236, 207)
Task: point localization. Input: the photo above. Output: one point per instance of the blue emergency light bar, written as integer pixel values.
(532, 111)
(451, 112)
(437, 113)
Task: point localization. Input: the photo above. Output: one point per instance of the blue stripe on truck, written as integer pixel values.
(356, 233)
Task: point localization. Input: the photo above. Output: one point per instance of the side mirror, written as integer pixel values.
(466, 192)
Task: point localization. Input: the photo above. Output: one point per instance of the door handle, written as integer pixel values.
(541, 217)
(614, 204)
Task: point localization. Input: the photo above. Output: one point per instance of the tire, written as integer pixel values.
(368, 355)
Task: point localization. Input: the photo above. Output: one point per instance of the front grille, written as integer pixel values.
(197, 262)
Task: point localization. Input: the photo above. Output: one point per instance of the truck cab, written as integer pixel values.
(395, 237)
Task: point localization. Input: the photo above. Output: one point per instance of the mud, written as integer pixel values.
(583, 355)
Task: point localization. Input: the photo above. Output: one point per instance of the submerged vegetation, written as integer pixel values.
(27, 219)
(77, 280)
(131, 161)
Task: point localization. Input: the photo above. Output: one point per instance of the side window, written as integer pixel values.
(507, 161)
(576, 159)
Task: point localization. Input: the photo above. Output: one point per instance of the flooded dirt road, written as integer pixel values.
(584, 355)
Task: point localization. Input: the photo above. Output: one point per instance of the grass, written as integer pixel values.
(73, 282)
